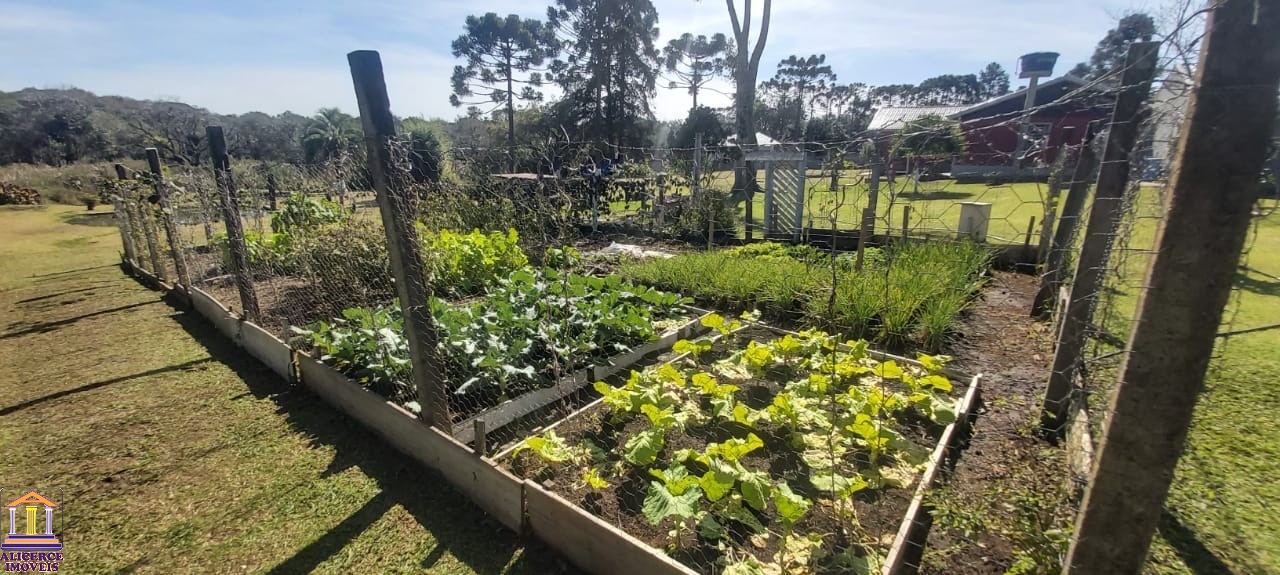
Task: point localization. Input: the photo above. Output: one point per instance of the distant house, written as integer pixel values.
(991, 128)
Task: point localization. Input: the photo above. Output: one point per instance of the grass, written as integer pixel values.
(178, 454)
(1220, 513)
(935, 207)
(909, 295)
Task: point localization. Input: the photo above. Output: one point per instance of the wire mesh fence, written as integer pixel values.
(717, 383)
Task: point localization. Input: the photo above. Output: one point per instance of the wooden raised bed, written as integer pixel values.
(522, 505)
(602, 553)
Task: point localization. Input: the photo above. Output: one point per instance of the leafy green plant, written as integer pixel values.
(465, 264)
(300, 211)
(268, 252)
(839, 411)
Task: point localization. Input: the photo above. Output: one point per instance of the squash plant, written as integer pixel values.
(838, 418)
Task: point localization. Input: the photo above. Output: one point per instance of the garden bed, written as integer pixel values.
(907, 296)
(760, 447)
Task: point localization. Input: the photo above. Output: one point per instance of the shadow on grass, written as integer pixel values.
(458, 527)
(58, 294)
(96, 385)
(1189, 548)
(48, 326)
(926, 195)
(1261, 286)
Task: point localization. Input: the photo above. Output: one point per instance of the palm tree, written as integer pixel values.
(329, 136)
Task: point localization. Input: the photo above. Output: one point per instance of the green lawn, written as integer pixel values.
(177, 453)
(935, 206)
(1221, 512)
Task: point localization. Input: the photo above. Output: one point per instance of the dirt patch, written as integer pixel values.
(991, 485)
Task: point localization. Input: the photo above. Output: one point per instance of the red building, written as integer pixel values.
(991, 129)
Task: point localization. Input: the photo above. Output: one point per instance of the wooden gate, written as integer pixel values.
(783, 191)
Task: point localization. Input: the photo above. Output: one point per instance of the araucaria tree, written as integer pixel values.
(694, 61)
(1110, 52)
(503, 59)
(993, 81)
(610, 65)
(746, 66)
(796, 84)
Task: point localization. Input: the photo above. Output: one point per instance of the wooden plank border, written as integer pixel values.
(915, 525)
(493, 489)
(217, 314)
(267, 348)
(590, 543)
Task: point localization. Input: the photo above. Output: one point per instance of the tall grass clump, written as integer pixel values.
(906, 296)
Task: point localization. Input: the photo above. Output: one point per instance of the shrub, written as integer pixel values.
(465, 264)
(303, 212)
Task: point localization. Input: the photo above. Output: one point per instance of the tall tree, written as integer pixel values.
(993, 81)
(949, 90)
(745, 69)
(330, 136)
(610, 64)
(503, 57)
(796, 84)
(694, 61)
(1110, 51)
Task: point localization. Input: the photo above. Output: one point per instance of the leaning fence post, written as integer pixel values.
(398, 217)
(1051, 199)
(1104, 219)
(1188, 283)
(141, 209)
(235, 226)
(1072, 205)
(127, 236)
(167, 219)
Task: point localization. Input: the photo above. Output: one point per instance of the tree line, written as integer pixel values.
(603, 55)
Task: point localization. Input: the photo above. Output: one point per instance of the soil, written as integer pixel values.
(879, 512)
(1013, 353)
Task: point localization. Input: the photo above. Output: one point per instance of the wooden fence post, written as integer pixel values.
(167, 219)
(235, 226)
(141, 209)
(1072, 205)
(1055, 189)
(1211, 196)
(906, 220)
(1104, 220)
(398, 217)
(123, 216)
(868, 227)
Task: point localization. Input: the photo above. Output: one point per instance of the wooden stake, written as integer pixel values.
(167, 219)
(1077, 190)
(141, 209)
(906, 220)
(1189, 281)
(1055, 189)
(235, 226)
(398, 217)
(1104, 219)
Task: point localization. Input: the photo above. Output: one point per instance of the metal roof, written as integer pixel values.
(895, 118)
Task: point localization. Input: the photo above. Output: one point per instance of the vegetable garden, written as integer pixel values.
(732, 445)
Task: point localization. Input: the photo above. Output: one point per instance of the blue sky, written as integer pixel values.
(235, 56)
